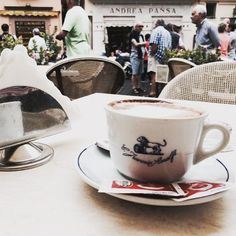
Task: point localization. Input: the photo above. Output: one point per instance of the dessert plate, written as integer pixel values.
(94, 165)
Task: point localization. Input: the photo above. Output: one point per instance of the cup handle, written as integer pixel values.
(202, 154)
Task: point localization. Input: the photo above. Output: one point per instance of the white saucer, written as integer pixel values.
(95, 166)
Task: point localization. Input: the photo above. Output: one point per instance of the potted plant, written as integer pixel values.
(198, 56)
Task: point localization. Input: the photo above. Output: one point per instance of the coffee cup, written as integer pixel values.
(159, 141)
(11, 123)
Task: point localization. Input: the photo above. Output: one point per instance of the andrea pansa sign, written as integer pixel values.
(169, 11)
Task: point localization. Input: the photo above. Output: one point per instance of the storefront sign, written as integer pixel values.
(138, 10)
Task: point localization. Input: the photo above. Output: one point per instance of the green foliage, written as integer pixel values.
(198, 56)
(40, 56)
(44, 56)
(9, 42)
(53, 48)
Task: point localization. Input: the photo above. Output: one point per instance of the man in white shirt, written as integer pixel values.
(75, 30)
(37, 43)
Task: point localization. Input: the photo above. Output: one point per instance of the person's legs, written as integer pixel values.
(135, 83)
(144, 74)
(141, 70)
(137, 69)
(153, 90)
(152, 67)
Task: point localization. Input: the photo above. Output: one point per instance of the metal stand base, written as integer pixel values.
(25, 156)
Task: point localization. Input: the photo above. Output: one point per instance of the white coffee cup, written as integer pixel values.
(11, 123)
(153, 140)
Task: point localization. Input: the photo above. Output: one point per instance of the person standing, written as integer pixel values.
(75, 30)
(159, 41)
(37, 41)
(145, 59)
(224, 41)
(226, 21)
(174, 37)
(178, 29)
(37, 45)
(137, 57)
(232, 51)
(207, 34)
(5, 33)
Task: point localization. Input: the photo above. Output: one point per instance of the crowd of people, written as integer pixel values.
(227, 34)
(36, 42)
(163, 37)
(147, 53)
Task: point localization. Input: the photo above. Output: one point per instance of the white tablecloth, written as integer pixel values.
(53, 199)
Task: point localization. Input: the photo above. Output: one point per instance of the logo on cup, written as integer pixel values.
(145, 147)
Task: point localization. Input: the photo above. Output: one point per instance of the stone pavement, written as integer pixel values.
(127, 88)
(145, 85)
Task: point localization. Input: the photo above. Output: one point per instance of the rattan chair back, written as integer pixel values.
(212, 82)
(178, 65)
(81, 76)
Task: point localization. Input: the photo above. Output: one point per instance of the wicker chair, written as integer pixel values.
(178, 65)
(212, 82)
(81, 76)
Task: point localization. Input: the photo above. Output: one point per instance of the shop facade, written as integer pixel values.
(22, 16)
(112, 21)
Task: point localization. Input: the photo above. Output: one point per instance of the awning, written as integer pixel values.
(28, 13)
(118, 21)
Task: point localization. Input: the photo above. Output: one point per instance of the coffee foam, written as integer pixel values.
(152, 109)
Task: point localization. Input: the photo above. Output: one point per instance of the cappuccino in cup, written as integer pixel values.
(158, 141)
(152, 109)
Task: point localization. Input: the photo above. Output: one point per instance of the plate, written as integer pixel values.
(94, 165)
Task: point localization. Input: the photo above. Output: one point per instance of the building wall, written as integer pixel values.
(112, 13)
(104, 15)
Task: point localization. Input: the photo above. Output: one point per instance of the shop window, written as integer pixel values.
(118, 39)
(25, 28)
(211, 10)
